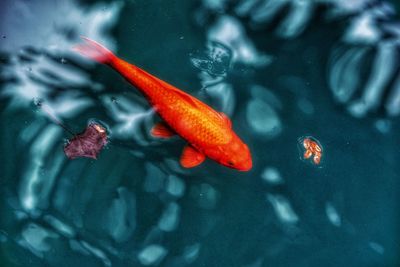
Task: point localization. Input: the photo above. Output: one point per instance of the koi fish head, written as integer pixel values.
(236, 155)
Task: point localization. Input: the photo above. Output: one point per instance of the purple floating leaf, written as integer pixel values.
(87, 144)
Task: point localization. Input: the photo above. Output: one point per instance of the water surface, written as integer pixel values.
(281, 70)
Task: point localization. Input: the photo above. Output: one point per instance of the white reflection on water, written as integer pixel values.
(36, 239)
(297, 20)
(175, 186)
(332, 214)
(97, 253)
(230, 32)
(272, 176)
(262, 115)
(349, 6)
(363, 29)
(262, 118)
(346, 79)
(37, 183)
(267, 10)
(214, 65)
(370, 25)
(205, 195)
(77, 246)
(39, 74)
(218, 5)
(121, 216)
(343, 78)
(54, 25)
(170, 218)
(60, 226)
(370, 34)
(378, 248)
(154, 180)
(283, 209)
(381, 73)
(127, 115)
(383, 125)
(216, 61)
(152, 254)
(190, 253)
(39, 68)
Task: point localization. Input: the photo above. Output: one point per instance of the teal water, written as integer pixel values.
(281, 70)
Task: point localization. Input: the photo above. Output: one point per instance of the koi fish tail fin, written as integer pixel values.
(94, 51)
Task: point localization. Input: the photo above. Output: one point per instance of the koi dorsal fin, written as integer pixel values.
(186, 96)
(198, 104)
(191, 157)
(162, 130)
(191, 100)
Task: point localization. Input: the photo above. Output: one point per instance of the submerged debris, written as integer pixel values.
(87, 144)
(311, 149)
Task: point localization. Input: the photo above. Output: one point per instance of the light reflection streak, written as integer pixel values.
(283, 209)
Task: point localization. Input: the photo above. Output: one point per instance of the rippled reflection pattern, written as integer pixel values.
(279, 68)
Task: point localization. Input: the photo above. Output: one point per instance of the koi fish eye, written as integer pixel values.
(231, 163)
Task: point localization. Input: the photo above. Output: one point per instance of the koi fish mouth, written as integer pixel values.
(245, 165)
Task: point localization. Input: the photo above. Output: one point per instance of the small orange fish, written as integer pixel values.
(312, 148)
(208, 132)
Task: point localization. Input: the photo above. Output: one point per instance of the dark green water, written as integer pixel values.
(278, 77)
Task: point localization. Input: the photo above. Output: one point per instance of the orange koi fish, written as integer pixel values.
(208, 132)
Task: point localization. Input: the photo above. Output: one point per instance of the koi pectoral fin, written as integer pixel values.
(162, 130)
(191, 157)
